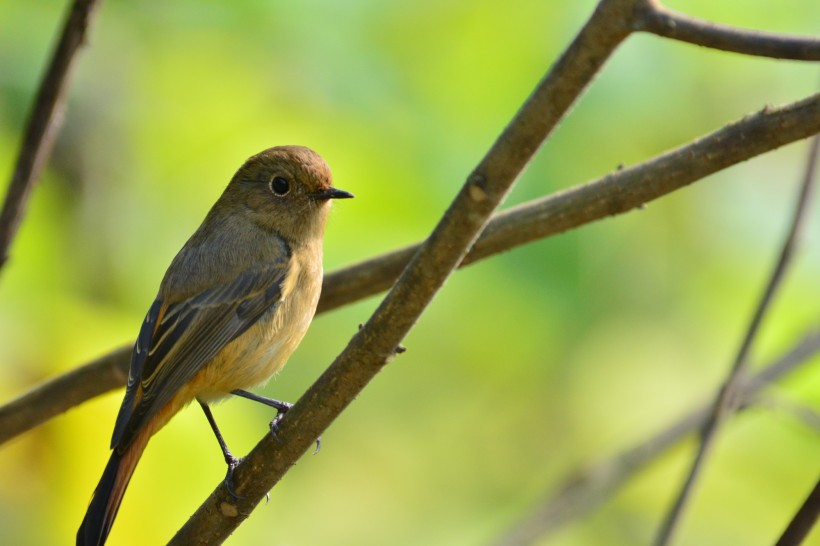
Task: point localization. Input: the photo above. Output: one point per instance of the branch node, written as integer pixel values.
(228, 510)
(477, 187)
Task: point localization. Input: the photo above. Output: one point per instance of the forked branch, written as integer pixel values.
(616, 193)
(660, 20)
(590, 487)
(725, 402)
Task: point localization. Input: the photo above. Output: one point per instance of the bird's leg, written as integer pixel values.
(281, 409)
(230, 460)
(280, 406)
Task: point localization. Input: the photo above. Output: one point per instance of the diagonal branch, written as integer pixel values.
(802, 522)
(802, 413)
(613, 194)
(63, 393)
(375, 344)
(726, 400)
(590, 487)
(660, 20)
(447, 248)
(44, 121)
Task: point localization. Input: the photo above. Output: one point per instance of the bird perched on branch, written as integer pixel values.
(232, 307)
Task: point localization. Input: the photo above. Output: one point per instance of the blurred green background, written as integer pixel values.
(525, 367)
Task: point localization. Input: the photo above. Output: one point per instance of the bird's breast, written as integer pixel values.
(260, 352)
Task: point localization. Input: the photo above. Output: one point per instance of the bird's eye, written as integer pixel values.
(280, 186)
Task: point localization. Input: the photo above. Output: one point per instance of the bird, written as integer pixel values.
(232, 307)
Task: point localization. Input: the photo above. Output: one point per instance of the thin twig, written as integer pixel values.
(726, 399)
(800, 412)
(801, 524)
(588, 488)
(616, 193)
(660, 20)
(375, 344)
(43, 121)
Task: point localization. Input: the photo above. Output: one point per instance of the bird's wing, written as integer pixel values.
(178, 339)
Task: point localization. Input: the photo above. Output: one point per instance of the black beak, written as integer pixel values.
(331, 193)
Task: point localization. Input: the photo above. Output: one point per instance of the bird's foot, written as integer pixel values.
(280, 413)
(274, 426)
(233, 462)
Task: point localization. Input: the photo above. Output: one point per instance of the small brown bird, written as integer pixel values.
(232, 307)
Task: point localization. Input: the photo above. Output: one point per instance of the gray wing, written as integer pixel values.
(178, 339)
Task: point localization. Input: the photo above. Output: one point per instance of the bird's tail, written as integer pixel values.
(107, 497)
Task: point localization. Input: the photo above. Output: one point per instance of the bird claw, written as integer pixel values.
(233, 462)
(274, 425)
(276, 420)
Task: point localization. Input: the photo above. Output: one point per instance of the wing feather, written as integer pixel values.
(179, 339)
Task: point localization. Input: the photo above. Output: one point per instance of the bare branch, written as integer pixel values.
(64, 392)
(44, 121)
(613, 194)
(616, 193)
(590, 487)
(431, 263)
(726, 399)
(375, 344)
(801, 412)
(660, 20)
(805, 518)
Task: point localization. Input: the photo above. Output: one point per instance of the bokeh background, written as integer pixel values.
(525, 367)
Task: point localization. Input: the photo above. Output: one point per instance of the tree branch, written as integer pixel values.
(375, 343)
(588, 488)
(658, 19)
(43, 122)
(805, 518)
(803, 413)
(431, 263)
(726, 400)
(613, 194)
(63, 393)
